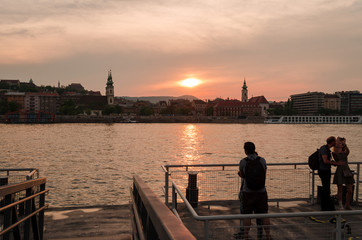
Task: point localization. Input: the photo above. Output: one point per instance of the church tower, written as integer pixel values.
(244, 92)
(110, 89)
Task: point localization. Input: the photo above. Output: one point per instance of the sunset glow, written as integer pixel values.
(190, 82)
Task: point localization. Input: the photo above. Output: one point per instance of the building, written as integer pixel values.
(110, 89)
(39, 101)
(76, 87)
(199, 106)
(332, 102)
(263, 104)
(236, 108)
(356, 103)
(308, 103)
(18, 97)
(346, 101)
(244, 92)
(10, 82)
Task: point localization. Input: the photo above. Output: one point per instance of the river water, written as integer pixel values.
(93, 164)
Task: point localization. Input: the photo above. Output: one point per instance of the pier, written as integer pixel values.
(200, 202)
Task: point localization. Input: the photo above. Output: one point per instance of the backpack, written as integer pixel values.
(313, 160)
(254, 174)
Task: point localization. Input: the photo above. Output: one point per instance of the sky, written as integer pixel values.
(280, 47)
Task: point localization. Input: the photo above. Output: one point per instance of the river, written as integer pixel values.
(93, 164)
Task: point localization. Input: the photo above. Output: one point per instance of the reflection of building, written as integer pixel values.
(308, 103)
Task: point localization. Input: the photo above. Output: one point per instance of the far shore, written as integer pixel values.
(151, 119)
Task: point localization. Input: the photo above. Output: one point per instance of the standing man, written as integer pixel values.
(324, 173)
(254, 196)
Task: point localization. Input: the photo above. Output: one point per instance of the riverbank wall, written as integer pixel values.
(150, 119)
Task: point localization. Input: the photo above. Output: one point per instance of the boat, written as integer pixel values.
(314, 120)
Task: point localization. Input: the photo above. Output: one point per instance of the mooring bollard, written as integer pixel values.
(192, 191)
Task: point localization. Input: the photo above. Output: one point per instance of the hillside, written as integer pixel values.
(156, 99)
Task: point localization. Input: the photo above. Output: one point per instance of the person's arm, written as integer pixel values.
(328, 162)
(346, 150)
(241, 168)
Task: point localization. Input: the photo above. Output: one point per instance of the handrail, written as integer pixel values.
(31, 174)
(14, 188)
(23, 200)
(236, 164)
(24, 219)
(267, 215)
(16, 169)
(11, 224)
(165, 223)
(206, 219)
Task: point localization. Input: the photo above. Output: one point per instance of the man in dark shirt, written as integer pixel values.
(253, 200)
(324, 173)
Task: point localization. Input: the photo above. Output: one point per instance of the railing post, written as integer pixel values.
(338, 227)
(313, 183)
(41, 214)
(166, 185)
(206, 229)
(357, 184)
(174, 198)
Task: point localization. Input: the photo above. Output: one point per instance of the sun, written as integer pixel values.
(190, 82)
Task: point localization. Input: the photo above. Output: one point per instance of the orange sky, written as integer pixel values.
(281, 47)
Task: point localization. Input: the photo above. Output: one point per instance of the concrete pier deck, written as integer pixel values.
(88, 223)
(113, 222)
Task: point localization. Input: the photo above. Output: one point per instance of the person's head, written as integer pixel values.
(331, 141)
(249, 147)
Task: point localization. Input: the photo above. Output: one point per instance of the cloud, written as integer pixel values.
(300, 46)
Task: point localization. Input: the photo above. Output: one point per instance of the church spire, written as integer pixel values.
(244, 92)
(109, 79)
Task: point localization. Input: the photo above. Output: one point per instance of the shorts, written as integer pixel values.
(256, 202)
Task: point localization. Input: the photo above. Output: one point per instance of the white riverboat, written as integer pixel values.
(314, 120)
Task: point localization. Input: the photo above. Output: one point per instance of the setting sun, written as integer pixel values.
(190, 82)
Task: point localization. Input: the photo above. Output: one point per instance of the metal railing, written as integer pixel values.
(17, 175)
(151, 219)
(221, 181)
(23, 217)
(338, 230)
(290, 170)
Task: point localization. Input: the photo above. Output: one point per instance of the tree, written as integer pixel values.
(6, 106)
(70, 108)
(145, 111)
(209, 111)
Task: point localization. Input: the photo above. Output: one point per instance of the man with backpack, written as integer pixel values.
(254, 196)
(324, 172)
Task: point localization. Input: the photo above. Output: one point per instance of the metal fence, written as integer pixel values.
(285, 182)
(17, 175)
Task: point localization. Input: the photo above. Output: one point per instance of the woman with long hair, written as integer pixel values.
(343, 174)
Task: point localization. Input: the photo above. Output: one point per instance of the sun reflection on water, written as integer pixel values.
(191, 144)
